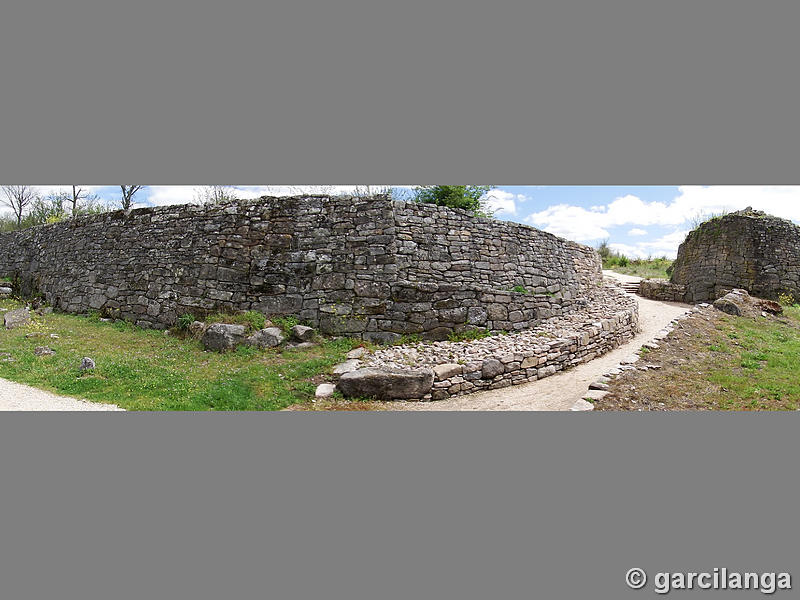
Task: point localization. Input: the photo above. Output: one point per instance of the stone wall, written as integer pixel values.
(609, 319)
(662, 290)
(748, 249)
(368, 268)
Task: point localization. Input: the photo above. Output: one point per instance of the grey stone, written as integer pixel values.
(477, 315)
(5, 291)
(324, 390)
(222, 336)
(43, 351)
(197, 328)
(356, 353)
(598, 385)
(266, 338)
(446, 371)
(346, 367)
(729, 304)
(386, 384)
(582, 405)
(301, 345)
(87, 364)
(491, 367)
(17, 318)
(301, 333)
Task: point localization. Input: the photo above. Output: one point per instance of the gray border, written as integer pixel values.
(389, 505)
(608, 92)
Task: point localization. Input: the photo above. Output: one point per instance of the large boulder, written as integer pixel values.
(266, 338)
(387, 384)
(733, 303)
(222, 336)
(17, 318)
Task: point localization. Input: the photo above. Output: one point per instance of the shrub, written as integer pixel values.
(185, 320)
(786, 299)
(286, 323)
(251, 319)
(470, 335)
(520, 289)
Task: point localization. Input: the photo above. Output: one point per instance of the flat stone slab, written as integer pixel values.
(595, 394)
(582, 405)
(17, 318)
(356, 353)
(385, 384)
(447, 370)
(599, 385)
(346, 367)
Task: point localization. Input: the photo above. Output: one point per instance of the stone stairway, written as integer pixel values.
(632, 287)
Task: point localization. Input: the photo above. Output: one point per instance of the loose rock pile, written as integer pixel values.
(222, 337)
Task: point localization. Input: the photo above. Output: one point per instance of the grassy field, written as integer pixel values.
(141, 369)
(718, 362)
(655, 268)
(756, 363)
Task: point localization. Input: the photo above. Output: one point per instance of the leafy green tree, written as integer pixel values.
(468, 197)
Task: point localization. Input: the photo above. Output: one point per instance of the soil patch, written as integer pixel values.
(716, 361)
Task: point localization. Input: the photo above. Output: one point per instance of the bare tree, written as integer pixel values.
(18, 198)
(215, 194)
(128, 192)
(83, 202)
(368, 191)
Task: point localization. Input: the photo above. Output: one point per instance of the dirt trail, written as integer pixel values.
(562, 390)
(15, 396)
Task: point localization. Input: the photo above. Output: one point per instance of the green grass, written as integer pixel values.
(760, 371)
(253, 320)
(141, 369)
(655, 268)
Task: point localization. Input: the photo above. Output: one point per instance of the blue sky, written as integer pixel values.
(637, 220)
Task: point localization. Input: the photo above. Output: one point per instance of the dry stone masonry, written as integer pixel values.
(748, 249)
(369, 268)
(607, 319)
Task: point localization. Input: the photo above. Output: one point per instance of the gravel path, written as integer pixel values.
(14, 396)
(562, 390)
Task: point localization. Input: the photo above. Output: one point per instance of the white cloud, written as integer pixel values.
(159, 195)
(692, 202)
(572, 222)
(637, 232)
(503, 202)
